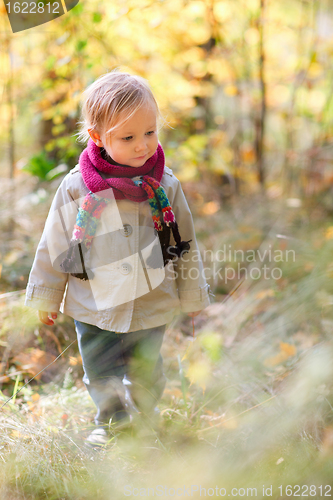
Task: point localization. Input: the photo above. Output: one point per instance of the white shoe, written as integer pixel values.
(98, 437)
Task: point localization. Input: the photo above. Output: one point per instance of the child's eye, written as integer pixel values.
(151, 132)
(128, 138)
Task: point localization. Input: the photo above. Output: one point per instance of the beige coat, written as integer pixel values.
(125, 294)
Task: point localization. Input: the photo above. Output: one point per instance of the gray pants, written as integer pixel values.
(109, 356)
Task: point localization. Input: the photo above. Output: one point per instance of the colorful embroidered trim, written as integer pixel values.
(157, 194)
(87, 219)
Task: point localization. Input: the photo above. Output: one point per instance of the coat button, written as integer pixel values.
(125, 268)
(126, 230)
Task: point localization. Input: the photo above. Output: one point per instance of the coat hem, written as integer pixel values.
(142, 324)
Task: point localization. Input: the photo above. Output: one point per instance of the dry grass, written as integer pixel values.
(252, 405)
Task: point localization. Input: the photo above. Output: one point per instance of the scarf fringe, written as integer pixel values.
(168, 252)
(74, 263)
(180, 249)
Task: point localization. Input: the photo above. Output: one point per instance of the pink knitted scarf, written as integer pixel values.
(120, 181)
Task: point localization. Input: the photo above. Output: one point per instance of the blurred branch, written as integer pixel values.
(261, 119)
(301, 74)
(10, 81)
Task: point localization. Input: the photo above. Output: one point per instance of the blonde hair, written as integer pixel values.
(110, 96)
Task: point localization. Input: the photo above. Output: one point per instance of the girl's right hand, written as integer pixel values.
(44, 317)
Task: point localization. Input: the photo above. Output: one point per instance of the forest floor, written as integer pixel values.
(247, 409)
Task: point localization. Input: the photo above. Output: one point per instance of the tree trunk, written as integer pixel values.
(261, 119)
(11, 112)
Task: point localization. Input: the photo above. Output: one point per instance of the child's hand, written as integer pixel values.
(44, 317)
(192, 315)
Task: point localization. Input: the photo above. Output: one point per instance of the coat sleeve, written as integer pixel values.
(193, 289)
(47, 283)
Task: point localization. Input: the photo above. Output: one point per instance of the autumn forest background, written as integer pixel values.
(246, 91)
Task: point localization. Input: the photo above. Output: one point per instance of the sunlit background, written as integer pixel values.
(245, 89)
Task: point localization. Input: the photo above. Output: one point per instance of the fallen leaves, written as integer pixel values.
(35, 397)
(201, 354)
(327, 441)
(286, 351)
(33, 362)
(329, 233)
(75, 360)
(210, 208)
(268, 292)
(52, 335)
(199, 372)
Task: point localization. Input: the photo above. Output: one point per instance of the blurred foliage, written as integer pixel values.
(204, 69)
(248, 402)
(39, 165)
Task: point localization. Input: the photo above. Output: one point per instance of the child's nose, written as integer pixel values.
(141, 145)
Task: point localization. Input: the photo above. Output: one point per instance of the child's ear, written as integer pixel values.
(95, 137)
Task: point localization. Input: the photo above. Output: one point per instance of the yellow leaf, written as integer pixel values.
(230, 90)
(198, 34)
(230, 423)
(276, 360)
(221, 70)
(315, 70)
(227, 155)
(316, 100)
(35, 397)
(20, 435)
(34, 361)
(222, 11)
(193, 350)
(73, 361)
(12, 257)
(248, 154)
(251, 36)
(199, 373)
(53, 429)
(327, 441)
(278, 95)
(198, 69)
(289, 349)
(218, 137)
(196, 8)
(286, 351)
(329, 233)
(210, 208)
(193, 54)
(175, 392)
(265, 293)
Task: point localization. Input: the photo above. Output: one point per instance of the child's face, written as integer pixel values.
(135, 141)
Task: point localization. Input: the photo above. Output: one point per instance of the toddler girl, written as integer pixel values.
(118, 252)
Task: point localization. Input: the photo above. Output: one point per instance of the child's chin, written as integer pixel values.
(138, 163)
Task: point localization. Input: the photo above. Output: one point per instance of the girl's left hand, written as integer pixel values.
(192, 315)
